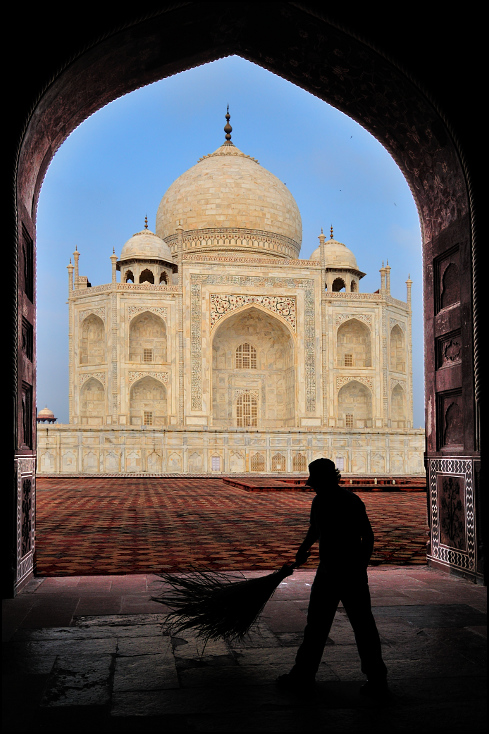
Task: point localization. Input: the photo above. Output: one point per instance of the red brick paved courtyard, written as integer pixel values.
(109, 525)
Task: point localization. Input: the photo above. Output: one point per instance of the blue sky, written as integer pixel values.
(115, 167)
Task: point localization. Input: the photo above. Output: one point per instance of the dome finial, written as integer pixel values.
(331, 230)
(146, 222)
(227, 127)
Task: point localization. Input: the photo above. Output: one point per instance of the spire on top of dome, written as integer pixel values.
(331, 230)
(228, 129)
(146, 222)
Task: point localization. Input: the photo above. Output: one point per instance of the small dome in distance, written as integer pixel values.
(146, 245)
(46, 416)
(337, 255)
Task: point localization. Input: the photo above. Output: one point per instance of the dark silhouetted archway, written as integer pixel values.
(401, 83)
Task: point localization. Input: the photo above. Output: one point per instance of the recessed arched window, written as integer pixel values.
(338, 285)
(246, 410)
(397, 350)
(246, 357)
(299, 462)
(163, 278)
(146, 277)
(258, 462)
(278, 462)
(129, 276)
(92, 340)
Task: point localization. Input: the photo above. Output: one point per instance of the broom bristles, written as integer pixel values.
(214, 605)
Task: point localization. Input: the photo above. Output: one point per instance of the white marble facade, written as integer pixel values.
(221, 351)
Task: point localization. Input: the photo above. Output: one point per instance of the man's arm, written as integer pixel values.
(303, 553)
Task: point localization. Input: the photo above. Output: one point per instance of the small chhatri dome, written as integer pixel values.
(336, 254)
(146, 245)
(228, 202)
(45, 416)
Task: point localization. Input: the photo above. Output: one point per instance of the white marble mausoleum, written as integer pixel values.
(221, 351)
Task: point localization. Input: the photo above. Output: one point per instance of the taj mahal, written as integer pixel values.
(219, 350)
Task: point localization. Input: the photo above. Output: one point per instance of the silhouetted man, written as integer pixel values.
(339, 521)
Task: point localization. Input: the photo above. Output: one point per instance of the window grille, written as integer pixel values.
(348, 360)
(299, 463)
(245, 357)
(257, 462)
(147, 355)
(246, 410)
(349, 420)
(278, 462)
(148, 418)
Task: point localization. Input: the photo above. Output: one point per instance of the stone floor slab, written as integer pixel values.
(120, 673)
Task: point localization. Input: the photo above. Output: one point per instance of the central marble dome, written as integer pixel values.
(227, 202)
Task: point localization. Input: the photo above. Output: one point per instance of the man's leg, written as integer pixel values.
(323, 604)
(356, 600)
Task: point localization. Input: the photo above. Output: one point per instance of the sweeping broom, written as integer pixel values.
(216, 606)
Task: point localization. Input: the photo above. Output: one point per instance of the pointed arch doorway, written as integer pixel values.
(336, 65)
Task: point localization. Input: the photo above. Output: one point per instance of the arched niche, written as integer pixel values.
(279, 462)
(338, 285)
(353, 344)
(397, 352)
(398, 407)
(354, 405)
(147, 276)
(92, 340)
(253, 352)
(148, 403)
(147, 338)
(92, 402)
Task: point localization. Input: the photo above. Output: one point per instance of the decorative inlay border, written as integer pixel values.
(397, 322)
(196, 344)
(341, 318)
(394, 381)
(242, 391)
(235, 238)
(342, 381)
(284, 306)
(161, 376)
(158, 310)
(100, 312)
(89, 292)
(258, 283)
(100, 376)
(353, 296)
(26, 507)
(115, 361)
(255, 260)
(462, 558)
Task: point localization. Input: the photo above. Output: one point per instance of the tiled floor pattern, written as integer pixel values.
(113, 525)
